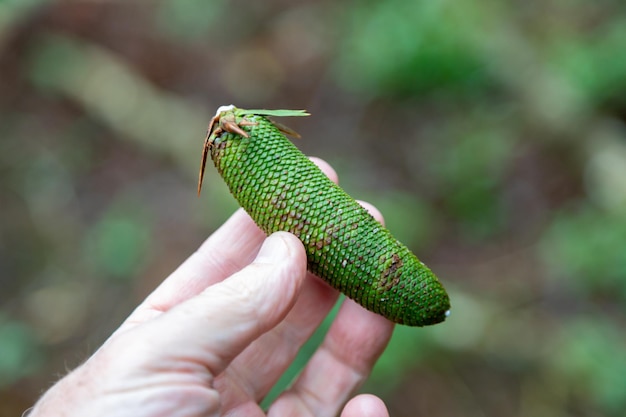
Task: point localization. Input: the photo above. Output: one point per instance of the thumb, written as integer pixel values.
(217, 324)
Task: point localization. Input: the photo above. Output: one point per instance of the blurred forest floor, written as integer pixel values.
(490, 134)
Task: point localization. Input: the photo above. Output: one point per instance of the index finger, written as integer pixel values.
(341, 364)
(228, 250)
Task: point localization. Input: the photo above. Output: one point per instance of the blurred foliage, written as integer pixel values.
(582, 57)
(190, 19)
(591, 356)
(589, 255)
(490, 134)
(401, 47)
(118, 243)
(19, 351)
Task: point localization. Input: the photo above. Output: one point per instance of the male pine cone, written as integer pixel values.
(282, 190)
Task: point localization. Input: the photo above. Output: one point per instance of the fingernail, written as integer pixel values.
(274, 250)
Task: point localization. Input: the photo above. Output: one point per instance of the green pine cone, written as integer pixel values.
(283, 190)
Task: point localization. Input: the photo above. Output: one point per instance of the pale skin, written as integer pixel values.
(217, 334)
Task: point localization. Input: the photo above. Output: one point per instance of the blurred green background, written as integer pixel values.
(491, 135)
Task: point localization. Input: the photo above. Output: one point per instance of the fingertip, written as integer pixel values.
(352, 323)
(365, 405)
(280, 246)
(372, 210)
(332, 174)
(326, 168)
(286, 252)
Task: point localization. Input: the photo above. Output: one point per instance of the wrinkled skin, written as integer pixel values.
(217, 334)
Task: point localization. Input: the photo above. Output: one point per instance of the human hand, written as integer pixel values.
(217, 334)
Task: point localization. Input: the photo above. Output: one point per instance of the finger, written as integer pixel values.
(344, 360)
(207, 331)
(259, 367)
(365, 405)
(233, 246)
(253, 373)
(326, 168)
(373, 211)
